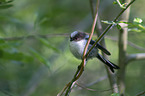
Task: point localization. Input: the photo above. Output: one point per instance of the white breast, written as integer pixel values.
(77, 48)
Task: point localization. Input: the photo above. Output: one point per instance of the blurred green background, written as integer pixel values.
(35, 66)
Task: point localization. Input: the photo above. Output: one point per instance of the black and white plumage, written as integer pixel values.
(78, 41)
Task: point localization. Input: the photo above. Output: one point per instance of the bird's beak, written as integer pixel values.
(71, 39)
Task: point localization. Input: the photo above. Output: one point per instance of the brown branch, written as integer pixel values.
(138, 56)
(80, 70)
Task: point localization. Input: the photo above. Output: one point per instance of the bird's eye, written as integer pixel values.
(74, 38)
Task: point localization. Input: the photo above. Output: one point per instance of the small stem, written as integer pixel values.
(120, 4)
(79, 72)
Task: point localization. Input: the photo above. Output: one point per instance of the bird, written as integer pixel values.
(77, 45)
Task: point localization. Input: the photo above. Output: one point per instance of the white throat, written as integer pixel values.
(77, 48)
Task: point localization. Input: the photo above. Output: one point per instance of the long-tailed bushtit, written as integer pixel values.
(78, 41)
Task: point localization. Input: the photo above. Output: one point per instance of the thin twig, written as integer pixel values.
(80, 70)
(136, 46)
(138, 56)
(92, 83)
(34, 36)
(141, 93)
(84, 87)
(98, 80)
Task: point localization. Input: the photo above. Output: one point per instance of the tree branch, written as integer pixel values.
(123, 35)
(34, 36)
(141, 93)
(82, 65)
(111, 76)
(80, 70)
(132, 57)
(98, 80)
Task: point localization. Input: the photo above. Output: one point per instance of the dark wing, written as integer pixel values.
(101, 47)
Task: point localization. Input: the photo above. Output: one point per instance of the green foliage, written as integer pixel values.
(137, 20)
(4, 4)
(21, 59)
(136, 26)
(118, 27)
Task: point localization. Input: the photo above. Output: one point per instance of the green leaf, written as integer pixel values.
(115, 94)
(121, 5)
(119, 27)
(137, 20)
(136, 26)
(46, 43)
(40, 57)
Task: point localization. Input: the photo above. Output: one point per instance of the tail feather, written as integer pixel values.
(107, 62)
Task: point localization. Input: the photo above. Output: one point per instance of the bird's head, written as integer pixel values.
(77, 36)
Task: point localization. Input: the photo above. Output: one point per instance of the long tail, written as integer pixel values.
(108, 63)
